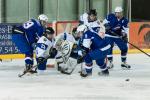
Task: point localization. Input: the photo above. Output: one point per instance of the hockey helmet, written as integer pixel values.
(43, 17)
(49, 30)
(118, 9)
(82, 28)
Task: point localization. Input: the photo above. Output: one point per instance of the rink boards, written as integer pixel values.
(21, 56)
(139, 36)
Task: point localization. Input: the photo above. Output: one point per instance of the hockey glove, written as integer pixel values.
(81, 55)
(107, 27)
(124, 37)
(52, 52)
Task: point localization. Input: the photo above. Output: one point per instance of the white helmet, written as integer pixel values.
(118, 9)
(43, 17)
(81, 28)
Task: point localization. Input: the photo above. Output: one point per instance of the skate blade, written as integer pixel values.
(125, 68)
(102, 74)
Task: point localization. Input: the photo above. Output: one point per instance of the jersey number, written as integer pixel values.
(43, 46)
(28, 24)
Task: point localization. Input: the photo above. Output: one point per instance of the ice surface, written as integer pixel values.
(55, 86)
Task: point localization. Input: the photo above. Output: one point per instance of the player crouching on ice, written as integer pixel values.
(116, 32)
(45, 49)
(26, 35)
(65, 44)
(94, 47)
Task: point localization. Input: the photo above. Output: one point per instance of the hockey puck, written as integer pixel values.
(127, 79)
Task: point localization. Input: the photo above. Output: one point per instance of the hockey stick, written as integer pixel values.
(35, 66)
(132, 44)
(139, 49)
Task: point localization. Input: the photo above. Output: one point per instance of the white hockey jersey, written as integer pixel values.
(66, 36)
(43, 47)
(94, 26)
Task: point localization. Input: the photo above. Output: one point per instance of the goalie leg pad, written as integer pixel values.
(59, 59)
(59, 63)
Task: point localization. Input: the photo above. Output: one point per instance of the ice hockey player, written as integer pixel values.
(117, 26)
(26, 35)
(65, 42)
(90, 20)
(94, 47)
(45, 49)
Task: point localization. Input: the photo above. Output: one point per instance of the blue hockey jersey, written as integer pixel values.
(33, 30)
(116, 25)
(94, 41)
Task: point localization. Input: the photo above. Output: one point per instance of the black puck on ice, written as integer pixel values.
(127, 79)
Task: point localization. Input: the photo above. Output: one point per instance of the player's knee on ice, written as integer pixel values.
(42, 66)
